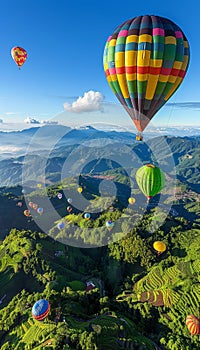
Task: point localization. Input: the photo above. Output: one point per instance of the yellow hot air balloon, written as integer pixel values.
(159, 246)
(131, 200)
(80, 189)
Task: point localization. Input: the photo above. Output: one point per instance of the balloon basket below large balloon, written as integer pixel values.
(139, 137)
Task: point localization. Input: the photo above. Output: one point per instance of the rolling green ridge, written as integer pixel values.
(140, 299)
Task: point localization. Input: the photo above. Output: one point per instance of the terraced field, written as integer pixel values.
(164, 287)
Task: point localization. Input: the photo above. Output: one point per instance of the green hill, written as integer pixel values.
(140, 300)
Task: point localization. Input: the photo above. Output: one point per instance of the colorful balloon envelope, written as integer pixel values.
(87, 216)
(159, 246)
(150, 180)
(131, 200)
(19, 55)
(193, 324)
(40, 309)
(59, 195)
(69, 200)
(27, 213)
(110, 224)
(69, 209)
(40, 211)
(80, 189)
(61, 225)
(35, 206)
(31, 204)
(19, 204)
(145, 61)
(39, 185)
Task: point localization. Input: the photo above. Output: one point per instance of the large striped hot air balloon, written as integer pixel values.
(193, 324)
(150, 180)
(40, 309)
(145, 61)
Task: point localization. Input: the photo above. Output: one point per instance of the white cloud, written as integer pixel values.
(49, 122)
(10, 149)
(12, 113)
(90, 101)
(31, 120)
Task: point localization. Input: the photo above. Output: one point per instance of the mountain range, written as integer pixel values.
(53, 152)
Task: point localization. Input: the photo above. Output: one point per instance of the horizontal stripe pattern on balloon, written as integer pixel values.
(145, 60)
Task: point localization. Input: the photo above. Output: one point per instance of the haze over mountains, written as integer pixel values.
(16, 142)
(55, 150)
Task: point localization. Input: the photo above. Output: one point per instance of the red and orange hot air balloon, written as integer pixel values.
(27, 213)
(193, 324)
(19, 55)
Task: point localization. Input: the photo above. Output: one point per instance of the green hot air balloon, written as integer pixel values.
(150, 180)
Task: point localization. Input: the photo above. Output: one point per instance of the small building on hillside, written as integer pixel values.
(89, 286)
(58, 253)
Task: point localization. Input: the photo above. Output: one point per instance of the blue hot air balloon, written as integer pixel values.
(61, 225)
(40, 211)
(87, 216)
(40, 309)
(110, 224)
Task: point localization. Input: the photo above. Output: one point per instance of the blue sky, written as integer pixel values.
(65, 42)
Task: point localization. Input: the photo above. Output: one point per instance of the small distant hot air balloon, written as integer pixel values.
(19, 55)
(193, 324)
(61, 225)
(160, 247)
(69, 209)
(39, 185)
(35, 206)
(40, 211)
(131, 200)
(31, 204)
(150, 180)
(110, 224)
(145, 61)
(69, 200)
(59, 195)
(27, 213)
(23, 191)
(80, 189)
(40, 309)
(19, 204)
(87, 216)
